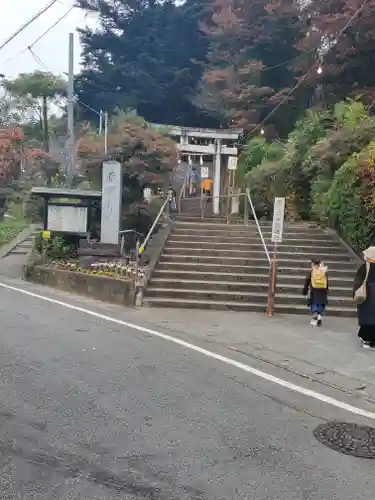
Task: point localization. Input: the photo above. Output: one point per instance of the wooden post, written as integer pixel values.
(272, 284)
(202, 201)
(228, 198)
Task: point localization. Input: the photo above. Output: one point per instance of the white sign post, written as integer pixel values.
(277, 237)
(278, 220)
(204, 173)
(232, 163)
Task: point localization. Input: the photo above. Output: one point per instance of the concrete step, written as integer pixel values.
(178, 241)
(210, 268)
(182, 274)
(230, 260)
(243, 286)
(255, 297)
(25, 244)
(220, 225)
(19, 251)
(241, 306)
(256, 254)
(248, 232)
(197, 219)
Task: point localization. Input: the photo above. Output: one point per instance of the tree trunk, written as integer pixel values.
(45, 124)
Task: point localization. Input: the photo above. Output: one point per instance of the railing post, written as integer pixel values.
(122, 248)
(136, 271)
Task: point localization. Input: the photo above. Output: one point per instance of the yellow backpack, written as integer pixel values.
(318, 279)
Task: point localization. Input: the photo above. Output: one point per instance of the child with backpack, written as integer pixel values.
(317, 283)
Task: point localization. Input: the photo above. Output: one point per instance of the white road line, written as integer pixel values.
(232, 362)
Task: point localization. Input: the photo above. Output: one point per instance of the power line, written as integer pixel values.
(299, 83)
(41, 36)
(77, 99)
(27, 24)
(285, 63)
(37, 58)
(87, 106)
(51, 27)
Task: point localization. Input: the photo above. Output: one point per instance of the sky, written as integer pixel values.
(52, 49)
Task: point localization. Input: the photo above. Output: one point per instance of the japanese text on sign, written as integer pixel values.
(278, 220)
(232, 163)
(204, 172)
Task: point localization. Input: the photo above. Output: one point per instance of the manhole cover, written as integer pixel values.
(350, 439)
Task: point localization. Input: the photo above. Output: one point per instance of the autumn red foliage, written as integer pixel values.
(145, 154)
(10, 155)
(342, 34)
(247, 40)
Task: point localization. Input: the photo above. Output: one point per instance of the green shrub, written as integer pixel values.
(58, 247)
(265, 182)
(33, 208)
(346, 207)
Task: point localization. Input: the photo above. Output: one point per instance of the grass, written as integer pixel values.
(10, 228)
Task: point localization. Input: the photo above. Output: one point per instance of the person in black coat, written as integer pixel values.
(366, 311)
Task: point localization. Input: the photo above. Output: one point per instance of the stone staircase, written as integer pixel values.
(208, 264)
(17, 252)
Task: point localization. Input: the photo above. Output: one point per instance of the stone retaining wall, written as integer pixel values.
(105, 288)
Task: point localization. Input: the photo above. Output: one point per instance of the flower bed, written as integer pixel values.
(115, 289)
(113, 269)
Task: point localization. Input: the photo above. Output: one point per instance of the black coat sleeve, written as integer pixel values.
(306, 285)
(359, 278)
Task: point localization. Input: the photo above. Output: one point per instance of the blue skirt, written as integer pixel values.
(317, 308)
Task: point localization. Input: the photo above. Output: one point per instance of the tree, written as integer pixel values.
(145, 55)
(347, 204)
(309, 130)
(249, 40)
(147, 156)
(44, 88)
(343, 34)
(10, 161)
(14, 110)
(40, 166)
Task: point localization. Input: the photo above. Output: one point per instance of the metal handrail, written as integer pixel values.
(258, 226)
(149, 234)
(233, 195)
(127, 231)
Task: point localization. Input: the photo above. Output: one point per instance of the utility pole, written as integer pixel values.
(71, 141)
(100, 122)
(105, 133)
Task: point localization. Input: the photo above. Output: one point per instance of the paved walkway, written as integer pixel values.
(331, 355)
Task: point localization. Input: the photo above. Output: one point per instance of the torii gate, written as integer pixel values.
(216, 149)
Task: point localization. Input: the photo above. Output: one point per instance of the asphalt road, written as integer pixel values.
(94, 410)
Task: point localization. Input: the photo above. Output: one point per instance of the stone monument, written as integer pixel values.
(111, 202)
